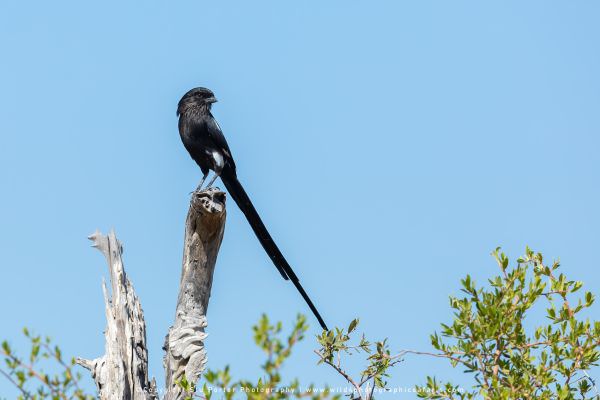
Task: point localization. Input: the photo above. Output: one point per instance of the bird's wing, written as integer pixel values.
(216, 135)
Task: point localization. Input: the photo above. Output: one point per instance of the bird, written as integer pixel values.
(204, 140)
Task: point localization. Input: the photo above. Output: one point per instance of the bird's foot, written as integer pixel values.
(206, 189)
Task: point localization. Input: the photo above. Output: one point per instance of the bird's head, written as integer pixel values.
(196, 98)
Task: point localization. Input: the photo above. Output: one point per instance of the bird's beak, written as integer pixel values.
(211, 100)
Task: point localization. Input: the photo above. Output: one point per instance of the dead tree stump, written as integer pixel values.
(184, 344)
(122, 372)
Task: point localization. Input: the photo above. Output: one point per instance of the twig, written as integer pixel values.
(341, 372)
(11, 380)
(36, 374)
(74, 381)
(424, 353)
(593, 382)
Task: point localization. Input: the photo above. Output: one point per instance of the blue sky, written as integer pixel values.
(389, 146)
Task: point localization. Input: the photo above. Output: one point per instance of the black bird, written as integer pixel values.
(202, 137)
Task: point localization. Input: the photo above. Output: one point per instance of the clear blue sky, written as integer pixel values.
(390, 146)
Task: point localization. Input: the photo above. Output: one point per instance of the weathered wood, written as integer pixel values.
(184, 344)
(122, 372)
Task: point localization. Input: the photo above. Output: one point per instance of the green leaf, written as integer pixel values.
(6, 347)
(353, 325)
(35, 349)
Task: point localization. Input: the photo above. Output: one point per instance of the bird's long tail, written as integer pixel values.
(239, 195)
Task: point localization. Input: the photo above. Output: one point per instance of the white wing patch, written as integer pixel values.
(219, 161)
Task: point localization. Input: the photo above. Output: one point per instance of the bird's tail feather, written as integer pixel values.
(239, 195)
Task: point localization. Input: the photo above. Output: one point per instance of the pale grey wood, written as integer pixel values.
(122, 372)
(185, 354)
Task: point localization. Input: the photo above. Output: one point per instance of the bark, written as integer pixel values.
(122, 372)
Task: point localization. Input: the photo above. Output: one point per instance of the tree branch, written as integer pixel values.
(342, 373)
(11, 380)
